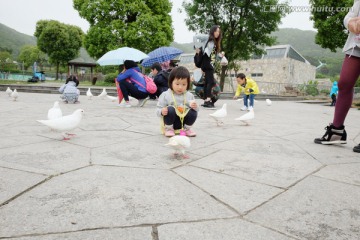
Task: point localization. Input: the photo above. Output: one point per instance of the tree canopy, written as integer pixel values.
(61, 42)
(144, 25)
(30, 54)
(328, 16)
(246, 25)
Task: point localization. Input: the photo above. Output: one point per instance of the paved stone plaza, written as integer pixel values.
(117, 180)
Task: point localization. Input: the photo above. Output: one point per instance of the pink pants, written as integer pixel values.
(349, 74)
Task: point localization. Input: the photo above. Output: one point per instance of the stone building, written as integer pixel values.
(280, 70)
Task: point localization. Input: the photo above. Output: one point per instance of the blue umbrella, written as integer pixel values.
(118, 56)
(161, 54)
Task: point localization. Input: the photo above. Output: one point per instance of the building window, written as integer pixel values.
(256, 75)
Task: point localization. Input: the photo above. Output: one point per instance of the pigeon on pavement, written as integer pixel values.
(113, 99)
(219, 115)
(102, 94)
(14, 95)
(55, 111)
(65, 123)
(89, 94)
(8, 91)
(268, 102)
(179, 143)
(246, 117)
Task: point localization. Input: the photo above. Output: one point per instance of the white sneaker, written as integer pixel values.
(244, 108)
(124, 104)
(142, 102)
(250, 108)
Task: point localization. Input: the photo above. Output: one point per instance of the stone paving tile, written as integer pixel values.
(347, 173)
(315, 208)
(13, 182)
(238, 194)
(131, 154)
(229, 229)
(99, 197)
(274, 170)
(51, 157)
(137, 233)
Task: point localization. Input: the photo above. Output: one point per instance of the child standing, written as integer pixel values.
(250, 88)
(69, 90)
(333, 93)
(177, 105)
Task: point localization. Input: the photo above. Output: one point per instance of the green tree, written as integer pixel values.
(246, 25)
(6, 62)
(144, 25)
(61, 42)
(328, 16)
(30, 54)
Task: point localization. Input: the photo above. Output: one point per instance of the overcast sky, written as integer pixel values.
(22, 16)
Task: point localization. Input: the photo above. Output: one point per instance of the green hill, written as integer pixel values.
(12, 40)
(304, 42)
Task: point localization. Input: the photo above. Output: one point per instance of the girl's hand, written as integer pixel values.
(193, 104)
(164, 111)
(235, 97)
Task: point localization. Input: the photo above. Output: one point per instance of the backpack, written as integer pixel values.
(198, 58)
(150, 85)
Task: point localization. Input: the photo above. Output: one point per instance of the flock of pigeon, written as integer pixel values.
(13, 94)
(64, 124)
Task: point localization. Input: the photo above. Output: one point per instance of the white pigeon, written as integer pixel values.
(113, 99)
(102, 94)
(89, 94)
(246, 117)
(219, 115)
(65, 123)
(268, 102)
(179, 143)
(55, 111)
(8, 91)
(14, 95)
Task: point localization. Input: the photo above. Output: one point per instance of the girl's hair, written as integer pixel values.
(217, 41)
(72, 78)
(179, 72)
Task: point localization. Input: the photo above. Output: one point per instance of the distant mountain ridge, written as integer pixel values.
(14, 40)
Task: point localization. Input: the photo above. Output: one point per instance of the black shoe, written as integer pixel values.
(332, 136)
(208, 104)
(357, 148)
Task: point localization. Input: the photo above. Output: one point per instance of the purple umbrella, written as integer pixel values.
(161, 54)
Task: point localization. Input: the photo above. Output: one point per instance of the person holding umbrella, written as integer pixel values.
(131, 83)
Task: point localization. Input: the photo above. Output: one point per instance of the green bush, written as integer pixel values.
(325, 92)
(109, 78)
(312, 90)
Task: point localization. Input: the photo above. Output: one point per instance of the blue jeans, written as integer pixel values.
(251, 97)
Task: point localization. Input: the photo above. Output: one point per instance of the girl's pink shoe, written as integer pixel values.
(190, 133)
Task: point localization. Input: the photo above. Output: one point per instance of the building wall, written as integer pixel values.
(273, 75)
